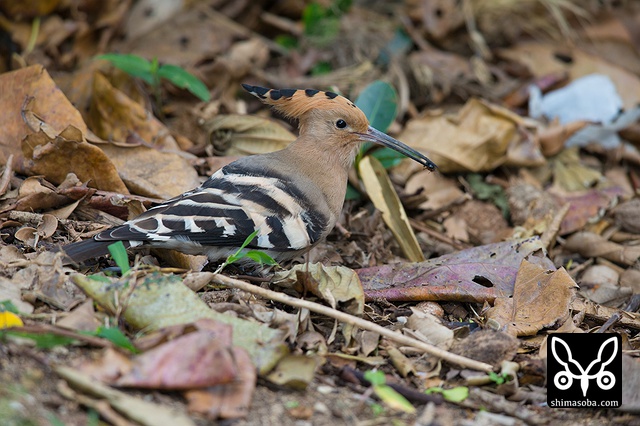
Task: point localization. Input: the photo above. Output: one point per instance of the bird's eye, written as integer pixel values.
(341, 124)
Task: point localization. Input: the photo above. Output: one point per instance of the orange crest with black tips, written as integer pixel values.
(296, 103)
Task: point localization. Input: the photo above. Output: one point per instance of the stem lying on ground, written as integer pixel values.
(358, 322)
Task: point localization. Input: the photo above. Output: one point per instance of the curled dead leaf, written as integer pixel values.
(50, 106)
(553, 138)
(541, 298)
(236, 134)
(27, 235)
(334, 284)
(67, 153)
(588, 244)
(48, 226)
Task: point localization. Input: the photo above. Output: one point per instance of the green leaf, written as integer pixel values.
(375, 377)
(321, 68)
(255, 255)
(352, 193)
(8, 306)
(286, 41)
(399, 45)
(100, 278)
(457, 394)
(321, 25)
(185, 80)
(115, 336)
(489, 192)
(388, 157)
(238, 254)
(43, 341)
(260, 257)
(312, 17)
(119, 254)
(499, 379)
(131, 64)
(393, 399)
(377, 409)
(379, 102)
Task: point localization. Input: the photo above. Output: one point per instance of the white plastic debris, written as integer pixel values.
(592, 98)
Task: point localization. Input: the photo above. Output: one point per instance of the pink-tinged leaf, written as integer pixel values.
(477, 274)
(195, 360)
(586, 206)
(229, 400)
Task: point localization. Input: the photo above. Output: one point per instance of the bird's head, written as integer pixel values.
(331, 117)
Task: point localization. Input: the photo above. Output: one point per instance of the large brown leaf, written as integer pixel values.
(49, 104)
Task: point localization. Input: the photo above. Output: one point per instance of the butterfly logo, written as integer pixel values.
(563, 380)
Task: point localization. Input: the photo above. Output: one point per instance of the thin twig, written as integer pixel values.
(358, 322)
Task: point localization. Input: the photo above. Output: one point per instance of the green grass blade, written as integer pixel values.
(133, 65)
(183, 79)
(119, 254)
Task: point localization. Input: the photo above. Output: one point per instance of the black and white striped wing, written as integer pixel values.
(225, 210)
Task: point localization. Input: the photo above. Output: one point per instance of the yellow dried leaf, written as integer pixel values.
(385, 198)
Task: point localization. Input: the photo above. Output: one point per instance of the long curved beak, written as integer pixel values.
(381, 138)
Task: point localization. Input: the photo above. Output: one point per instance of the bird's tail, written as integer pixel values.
(85, 250)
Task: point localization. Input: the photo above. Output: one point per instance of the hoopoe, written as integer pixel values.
(293, 197)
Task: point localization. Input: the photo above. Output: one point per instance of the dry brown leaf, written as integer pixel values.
(611, 37)
(599, 284)
(429, 328)
(631, 278)
(384, 197)
(48, 226)
(541, 299)
(67, 153)
(367, 341)
(246, 135)
(137, 409)
(488, 346)
(146, 15)
(477, 274)
(11, 290)
(152, 173)
(295, 371)
(440, 190)
(27, 235)
(82, 317)
(628, 215)
(108, 367)
(47, 281)
(476, 139)
(49, 104)
(400, 362)
(570, 174)
(588, 244)
(553, 138)
(482, 221)
(116, 117)
(205, 37)
(230, 400)
(337, 285)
